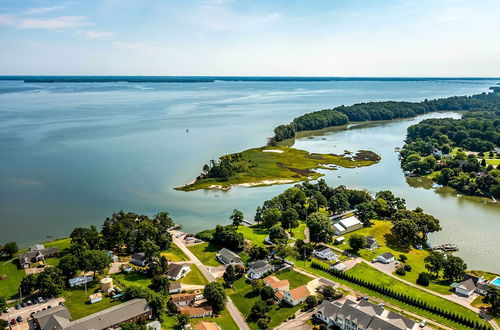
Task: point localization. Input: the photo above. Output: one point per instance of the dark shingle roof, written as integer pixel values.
(228, 255)
(258, 264)
(328, 309)
(387, 255)
(139, 256)
(468, 284)
(174, 269)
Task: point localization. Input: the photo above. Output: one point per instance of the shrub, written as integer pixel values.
(423, 279)
(407, 268)
(403, 258)
(401, 271)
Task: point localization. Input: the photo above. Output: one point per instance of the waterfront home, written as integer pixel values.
(296, 296)
(197, 311)
(347, 225)
(183, 299)
(36, 253)
(227, 257)
(174, 288)
(139, 259)
(177, 271)
(59, 318)
(472, 284)
(80, 280)
(259, 268)
(325, 253)
(276, 284)
(371, 243)
(207, 326)
(386, 258)
(363, 315)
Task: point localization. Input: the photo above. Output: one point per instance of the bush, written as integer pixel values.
(205, 235)
(407, 268)
(423, 279)
(401, 271)
(403, 258)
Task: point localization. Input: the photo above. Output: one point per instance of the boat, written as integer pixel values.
(447, 247)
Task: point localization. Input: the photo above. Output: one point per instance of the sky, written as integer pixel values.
(417, 38)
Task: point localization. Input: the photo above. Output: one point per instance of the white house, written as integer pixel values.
(325, 253)
(259, 268)
(139, 259)
(177, 271)
(371, 243)
(386, 258)
(471, 284)
(296, 296)
(80, 280)
(174, 288)
(339, 266)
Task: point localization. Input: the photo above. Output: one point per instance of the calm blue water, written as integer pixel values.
(71, 154)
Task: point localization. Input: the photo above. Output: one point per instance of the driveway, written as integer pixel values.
(25, 312)
(299, 323)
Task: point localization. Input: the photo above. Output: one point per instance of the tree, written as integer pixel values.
(454, 268)
(270, 217)
(263, 323)
(10, 249)
(277, 234)
(259, 309)
(95, 260)
(357, 242)
(290, 219)
(164, 221)
(406, 230)
(132, 326)
(69, 266)
(28, 284)
(434, 262)
(311, 302)
(493, 298)
(284, 251)
(328, 292)
(266, 293)
(403, 258)
(216, 296)
(160, 283)
(423, 279)
(228, 237)
(230, 275)
(257, 285)
(88, 238)
(182, 320)
(236, 218)
(339, 203)
(320, 227)
(257, 252)
(50, 282)
(151, 251)
(3, 304)
(365, 212)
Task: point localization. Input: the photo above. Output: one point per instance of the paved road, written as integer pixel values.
(25, 312)
(235, 313)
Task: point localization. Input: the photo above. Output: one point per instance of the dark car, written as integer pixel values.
(25, 304)
(19, 318)
(13, 321)
(48, 307)
(18, 306)
(61, 303)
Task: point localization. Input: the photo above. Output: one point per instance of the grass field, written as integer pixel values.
(224, 320)
(10, 286)
(244, 298)
(175, 254)
(298, 233)
(206, 253)
(287, 165)
(296, 279)
(76, 300)
(133, 278)
(381, 230)
(194, 277)
(254, 234)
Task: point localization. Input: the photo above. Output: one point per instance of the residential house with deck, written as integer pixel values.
(472, 284)
(177, 271)
(259, 268)
(371, 243)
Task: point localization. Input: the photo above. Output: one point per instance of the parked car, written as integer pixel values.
(24, 304)
(18, 306)
(197, 241)
(61, 303)
(30, 303)
(40, 300)
(49, 307)
(19, 319)
(6, 310)
(423, 323)
(41, 266)
(13, 321)
(358, 298)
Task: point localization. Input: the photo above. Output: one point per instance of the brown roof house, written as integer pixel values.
(296, 296)
(183, 299)
(197, 311)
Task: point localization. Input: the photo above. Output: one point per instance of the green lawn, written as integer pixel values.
(288, 165)
(206, 253)
(298, 232)
(244, 298)
(9, 287)
(132, 278)
(168, 322)
(76, 300)
(224, 321)
(175, 254)
(254, 234)
(296, 279)
(381, 230)
(194, 277)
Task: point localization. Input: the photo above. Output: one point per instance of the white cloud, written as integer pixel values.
(96, 34)
(142, 47)
(53, 23)
(36, 11)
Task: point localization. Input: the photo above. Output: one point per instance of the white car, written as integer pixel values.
(423, 323)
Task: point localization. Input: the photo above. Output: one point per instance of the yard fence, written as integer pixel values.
(452, 316)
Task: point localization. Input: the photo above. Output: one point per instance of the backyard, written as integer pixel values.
(175, 254)
(77, 301)
(194, 277)
(206, 253)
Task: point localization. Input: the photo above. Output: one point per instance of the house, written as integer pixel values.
(174, 288)
(177, 271)
(371, 243)
(37, 253)
(325, 253)
(296, 296)
(339, 240)
(112, 256)
(363, 315)
(196, 311)
(497, 151)
(276, 284)
(338, 266)
(207, 326)
(259, 268)
(347, 225)
(139, 259)
(155, 325)
(59, 318)
(96, 297)
(80, 280)
(227, 257)
(386, 258)
(183, 299)
(471, 284)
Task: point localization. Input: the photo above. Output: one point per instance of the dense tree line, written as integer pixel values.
(224, 168)
(429, 145)
(383, 111)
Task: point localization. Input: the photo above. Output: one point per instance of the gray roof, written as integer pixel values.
(111, 316)
(174, 269)
(474, 278)
(370, 240)
(174, 286)
(328, 309)
(483, 286)
(379, 324)
(32, 254)
(139, 256)
(468, 284)
(399, 321)
(387, 255)
(228, 255)
(258, 264)
(53, 318)
(355, 315)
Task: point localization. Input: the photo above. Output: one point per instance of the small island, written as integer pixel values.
(270, 165)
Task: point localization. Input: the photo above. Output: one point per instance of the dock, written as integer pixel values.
(448, 247)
